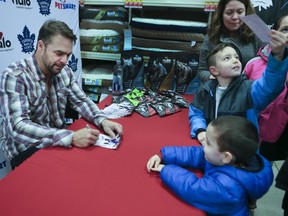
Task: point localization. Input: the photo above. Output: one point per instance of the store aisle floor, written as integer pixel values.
(270, 203)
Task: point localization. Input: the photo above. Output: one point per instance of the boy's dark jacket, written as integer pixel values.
(223, 190)
(243, 97)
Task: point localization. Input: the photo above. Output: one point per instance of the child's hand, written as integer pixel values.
(278, 43)
(202, 137)
(153, 164)
(158, 168)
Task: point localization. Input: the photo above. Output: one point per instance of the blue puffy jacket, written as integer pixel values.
(223, 190)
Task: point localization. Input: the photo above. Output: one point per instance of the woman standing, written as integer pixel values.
(226, 26)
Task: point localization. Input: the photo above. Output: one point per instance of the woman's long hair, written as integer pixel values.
(278, 21)
(217, 27)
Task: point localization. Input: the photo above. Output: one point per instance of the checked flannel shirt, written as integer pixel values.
(30, 115)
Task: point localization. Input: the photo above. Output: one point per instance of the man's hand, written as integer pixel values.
(85, 137)
(112, 128)
(153, 164)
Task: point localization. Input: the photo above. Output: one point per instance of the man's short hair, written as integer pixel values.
(54, 27)
(236, 135)
(211, 57)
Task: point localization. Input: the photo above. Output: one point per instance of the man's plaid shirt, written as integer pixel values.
(32, 116)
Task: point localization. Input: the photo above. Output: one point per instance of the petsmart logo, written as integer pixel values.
(62, 5)
(5, 44)
(26, 40)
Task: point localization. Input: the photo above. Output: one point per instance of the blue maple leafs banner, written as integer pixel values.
(27, 41)
(20, 22)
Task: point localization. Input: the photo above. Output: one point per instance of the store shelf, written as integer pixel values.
(196, 4)
(154, 3)
(184, 9)
(100, 56)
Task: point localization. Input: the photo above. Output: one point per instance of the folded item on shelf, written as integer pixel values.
(97, 89)
(96, 82)
(112, 48)
(100, 36)
(167, 35)
(93, 96)
(150, 51)
(115, 25)
(167, 44)
(104, 13)
(169, 25)
(99, 71)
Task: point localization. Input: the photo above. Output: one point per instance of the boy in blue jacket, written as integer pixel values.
(233, 172)
(231, 93)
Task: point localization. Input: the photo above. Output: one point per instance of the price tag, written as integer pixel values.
(133, 3)
(127, 39)
(210, 5)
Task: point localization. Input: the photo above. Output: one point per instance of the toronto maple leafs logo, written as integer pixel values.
(262, 4)
(44, 6)
(73, 62)
(26, 40)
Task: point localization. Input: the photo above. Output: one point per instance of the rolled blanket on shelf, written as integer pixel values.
(115, 25)
(168, 35)
(100, 36)
(104, 13)
(169, 25)
(113, 48)
(167, 44)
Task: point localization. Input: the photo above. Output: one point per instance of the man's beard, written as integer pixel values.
(50, 68)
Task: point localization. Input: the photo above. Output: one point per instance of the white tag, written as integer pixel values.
(257, 25)
(127, 39)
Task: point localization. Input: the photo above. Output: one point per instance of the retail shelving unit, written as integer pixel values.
(146, 3)
(157, 9)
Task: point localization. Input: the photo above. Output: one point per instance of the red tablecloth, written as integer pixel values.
(99, 181)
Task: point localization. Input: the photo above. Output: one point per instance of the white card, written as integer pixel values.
(106, 141)
(256, 24)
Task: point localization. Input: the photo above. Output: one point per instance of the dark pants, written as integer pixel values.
(285, 204)
(282, 183)
(278, 150)
(20, 158)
